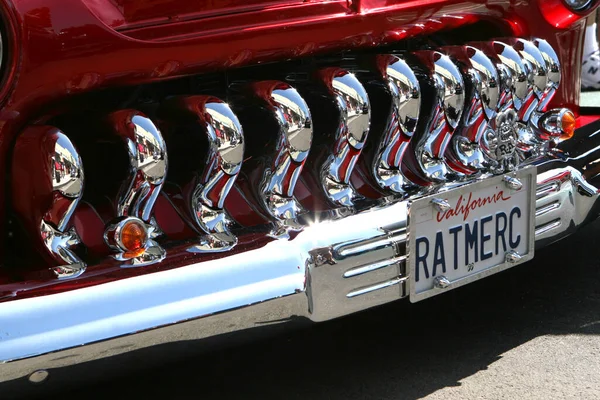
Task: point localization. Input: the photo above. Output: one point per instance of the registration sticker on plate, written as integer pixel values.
(470, 232)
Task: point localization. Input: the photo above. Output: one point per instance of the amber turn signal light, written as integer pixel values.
(556, 124)
(133, 235)
(567, 124)
(128, 235)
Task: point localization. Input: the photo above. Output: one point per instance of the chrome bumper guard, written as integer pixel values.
(329, 269)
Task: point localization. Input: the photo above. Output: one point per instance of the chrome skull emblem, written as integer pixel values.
(500, 145)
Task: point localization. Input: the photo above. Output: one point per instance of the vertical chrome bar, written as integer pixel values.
(403, 86)
(509, 138)
(465, 155)
(446, 114)
(351, 134)
(203, 193)
(294, 138)
(147, 170)
(225, 136)
(47, 185)
(553, 70)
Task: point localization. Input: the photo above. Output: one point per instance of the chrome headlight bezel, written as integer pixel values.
(579, 5)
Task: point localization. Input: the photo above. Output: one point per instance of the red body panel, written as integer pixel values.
(59, 48)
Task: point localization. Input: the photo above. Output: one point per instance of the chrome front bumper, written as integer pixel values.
(330, 269)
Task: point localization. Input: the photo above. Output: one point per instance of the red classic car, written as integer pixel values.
(198, 170)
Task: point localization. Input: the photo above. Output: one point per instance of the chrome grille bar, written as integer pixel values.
(294, 139)
(403, 86)
(147, 170)
(214, 175)
(351, 134)
(46, 203)
(448, 106)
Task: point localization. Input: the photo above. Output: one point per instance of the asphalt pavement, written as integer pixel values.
(527, 333)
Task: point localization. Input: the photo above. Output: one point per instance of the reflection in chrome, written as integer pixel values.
(147, 170)
(221, 168)
(403, 86)
(537, 76)
(466, 155)
(552, 68)
(67, 179)
(294, 139)
(353, 127)
(445, 116)
(535, 67)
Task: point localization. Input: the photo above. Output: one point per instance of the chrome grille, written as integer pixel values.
(297, 148)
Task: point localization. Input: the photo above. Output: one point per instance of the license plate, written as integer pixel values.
(470, 232)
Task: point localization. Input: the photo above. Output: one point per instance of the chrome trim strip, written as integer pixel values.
(547, 227)
(372, 267)
(546, 189)
(547, 208)
(379, 286)
(576, 197)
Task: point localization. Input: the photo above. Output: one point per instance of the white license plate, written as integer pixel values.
(487, 228)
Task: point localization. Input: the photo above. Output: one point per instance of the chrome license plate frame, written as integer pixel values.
(421, 211)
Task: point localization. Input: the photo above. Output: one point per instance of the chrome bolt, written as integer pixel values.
(512, 257)
(39, 376)
(441, 282)
(441, 204)
(513, 183)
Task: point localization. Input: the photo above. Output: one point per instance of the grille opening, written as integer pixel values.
(105, 160)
